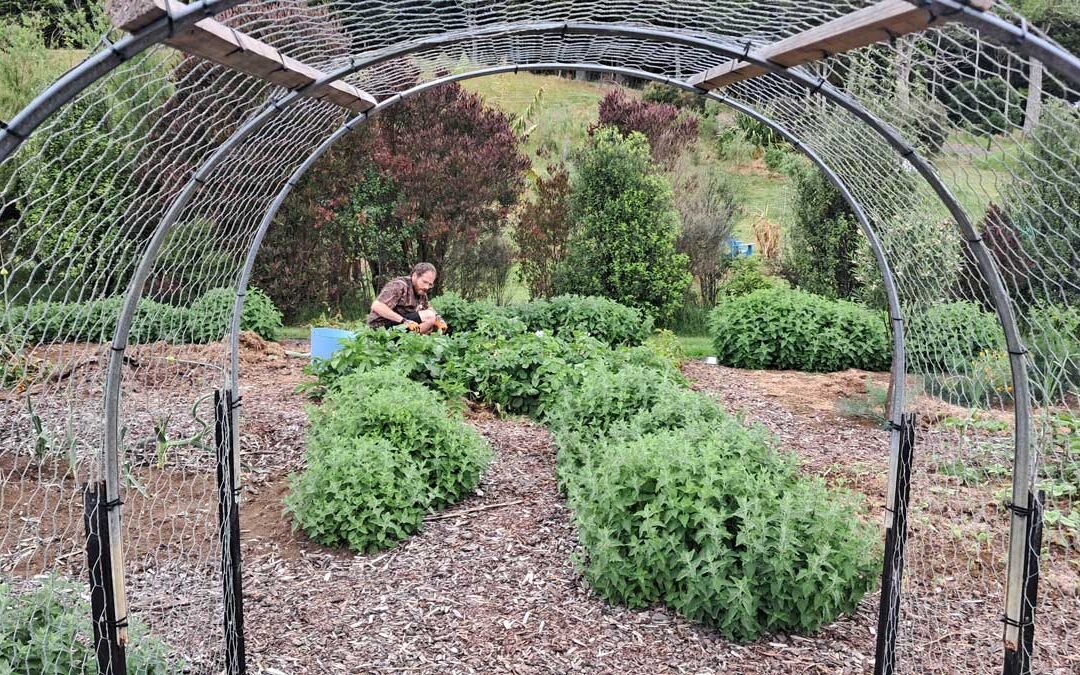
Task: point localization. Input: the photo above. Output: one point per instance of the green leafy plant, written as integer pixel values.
(947, 337)
(210, 315)
(1053, 341)
(745, 275)
(786, 329)
(384, 404)
(358, 491)
(722, 529)
(46, 629)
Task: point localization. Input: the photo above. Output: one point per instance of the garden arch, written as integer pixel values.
(510, 43)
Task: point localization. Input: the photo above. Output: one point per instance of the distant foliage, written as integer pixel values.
(757, 134)
(1052, 337)
(1011, 256)
(793, 330)
(708, 208)
(210, 315)
(625, 229)
(988, 105)
(668, 130)
(1044, 204)
(946, 337)
(822, 239)
(542, 229)
(657, 92)
(745, 275)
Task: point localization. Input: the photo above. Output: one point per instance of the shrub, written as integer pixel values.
(983, 382)
(1053, 342)
(744, 276)
(541, 231)
(668, 129)
(987, 105)
(947, 336)
(625, 227)
(757, 134)
(708, 208)
(785, 329)
(723, 530)
(823, 238)
(384, 404)
(606, 320)
(47, 630)
(357, 491)
(95, 321)
(210, 315)
(462, 315)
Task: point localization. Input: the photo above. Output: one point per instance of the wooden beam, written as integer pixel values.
(877, 23)
(214, 41)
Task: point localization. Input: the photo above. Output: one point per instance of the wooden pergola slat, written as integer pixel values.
(877, 23)
(214, 41)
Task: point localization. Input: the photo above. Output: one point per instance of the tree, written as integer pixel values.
(707, 206)
(541, 230)
(625, 226)
(823, 237)
(458, 166)
(668, 130)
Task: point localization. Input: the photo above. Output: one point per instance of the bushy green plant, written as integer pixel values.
(357, 491)
(946, 337)
(665, 345)
(1053, 342)
(385, 404)
(625, 227)
(787, 329)
(745, 275)
(715, 524)
(462, 315)
(95, 321)
(47, 630)
(985, 381)
(606, 320)
(210, 315)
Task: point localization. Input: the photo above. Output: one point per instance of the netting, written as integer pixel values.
(112, 199)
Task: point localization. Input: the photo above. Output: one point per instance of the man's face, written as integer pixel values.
(424, 282)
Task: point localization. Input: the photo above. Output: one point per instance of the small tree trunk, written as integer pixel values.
(903, 69)
(1034, 100)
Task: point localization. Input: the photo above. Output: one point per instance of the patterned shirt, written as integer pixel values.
(399, 295)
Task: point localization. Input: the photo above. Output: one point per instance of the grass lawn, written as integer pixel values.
(696, 346)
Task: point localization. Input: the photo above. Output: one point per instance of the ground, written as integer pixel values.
(490, 585)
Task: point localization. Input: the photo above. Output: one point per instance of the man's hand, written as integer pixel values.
(412, 326)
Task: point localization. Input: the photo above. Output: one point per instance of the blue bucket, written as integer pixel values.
(326, 341)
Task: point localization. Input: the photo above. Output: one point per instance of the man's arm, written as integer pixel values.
(384, 310)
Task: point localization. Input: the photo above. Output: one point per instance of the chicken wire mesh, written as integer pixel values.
(85, 194)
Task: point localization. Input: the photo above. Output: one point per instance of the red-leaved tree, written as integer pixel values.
(457, 164)
(669, 129)
(542, 229)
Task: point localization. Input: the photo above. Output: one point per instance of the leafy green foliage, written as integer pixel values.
(756, 133)
(210, 315)
(988, 105)
(542, 229)
(786, 329)
(625, 227)
(47, 630)
(461, 314)
(712, 522)
(1053, 342)
(357, 491)
(384, 404)
(745, 275)
(946, 337)
(823, 238)
(606, 320)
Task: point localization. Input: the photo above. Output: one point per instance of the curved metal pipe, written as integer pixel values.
(97, 66)
(1022, 486)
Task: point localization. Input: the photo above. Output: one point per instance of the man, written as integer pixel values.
(404, 300)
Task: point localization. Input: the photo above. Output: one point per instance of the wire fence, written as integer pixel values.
(159, 161)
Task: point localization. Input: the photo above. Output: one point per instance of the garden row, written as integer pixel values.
(675, 501)
(205, 320)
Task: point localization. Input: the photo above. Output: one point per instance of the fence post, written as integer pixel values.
(893, 566)
(1018, 656)
(229, 531)
(111, 654)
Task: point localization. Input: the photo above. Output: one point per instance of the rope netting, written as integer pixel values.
(152, 184)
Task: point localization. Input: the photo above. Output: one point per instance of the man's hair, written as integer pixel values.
(420, 269)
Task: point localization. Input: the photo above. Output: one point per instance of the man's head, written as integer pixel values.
(423, 277)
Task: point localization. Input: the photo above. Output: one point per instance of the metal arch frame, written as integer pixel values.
(898, 370)
(1022, 484)
(97, 66)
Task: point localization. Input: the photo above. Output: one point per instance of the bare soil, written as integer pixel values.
(490, 585)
